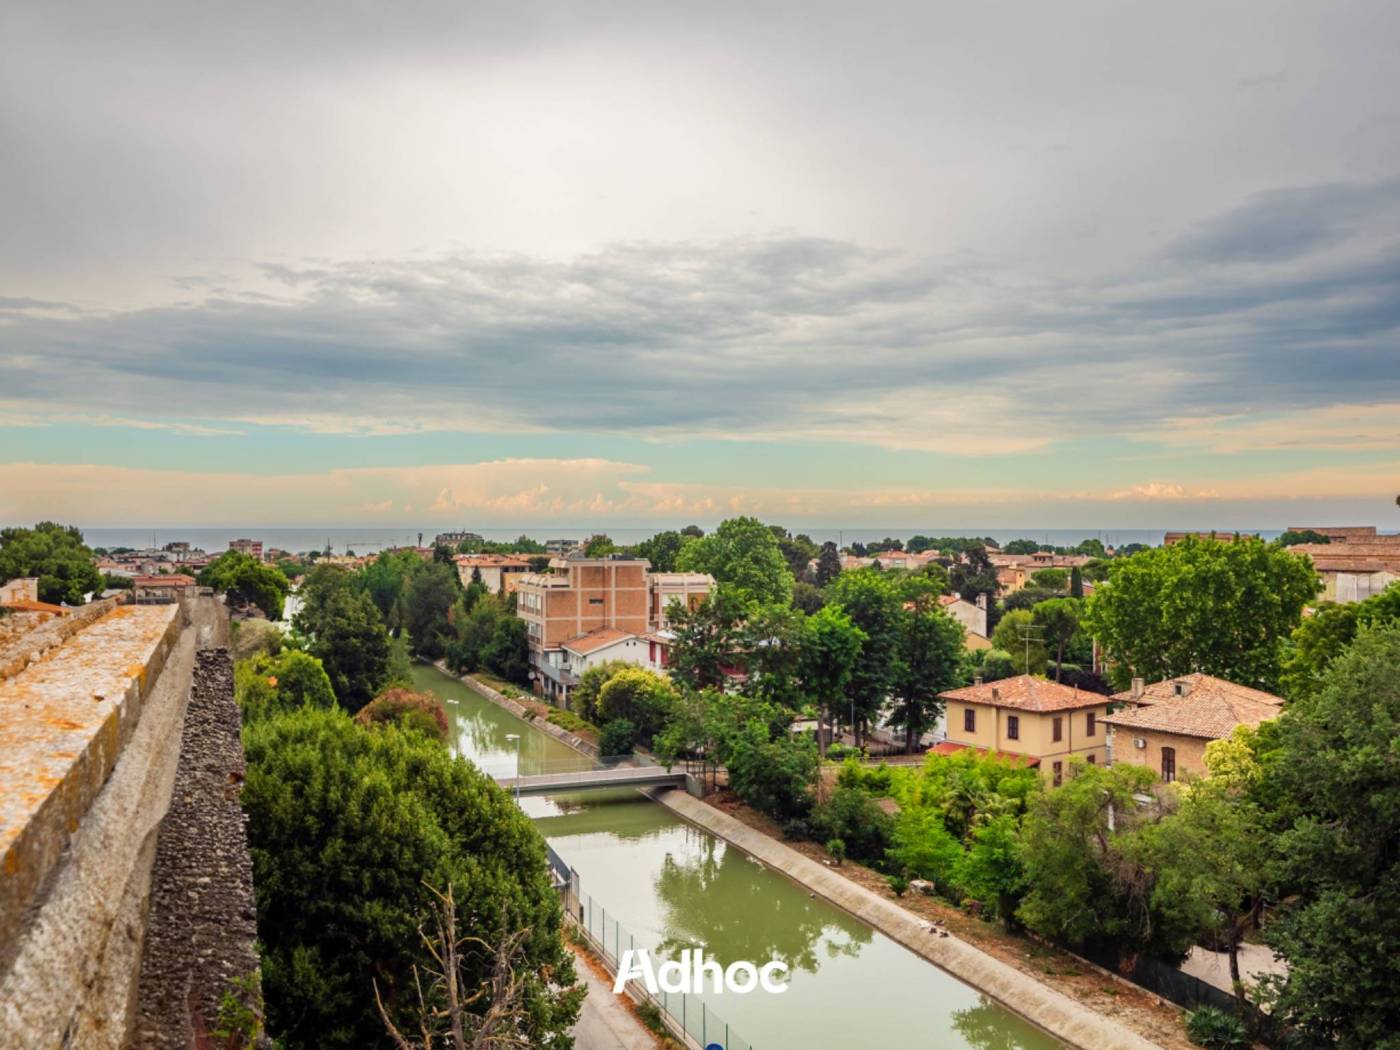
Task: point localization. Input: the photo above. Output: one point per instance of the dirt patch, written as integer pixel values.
(1136, 1008)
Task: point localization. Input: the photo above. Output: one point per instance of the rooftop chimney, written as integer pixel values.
(977, 680)
(1138, 686)
(996, 692)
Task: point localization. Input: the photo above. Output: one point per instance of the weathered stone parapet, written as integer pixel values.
(21, 652)
(64, 723)
(89, 742)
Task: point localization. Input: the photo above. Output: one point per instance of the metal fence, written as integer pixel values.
(689, 1018)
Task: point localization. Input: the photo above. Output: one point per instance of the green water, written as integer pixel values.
(674, 886)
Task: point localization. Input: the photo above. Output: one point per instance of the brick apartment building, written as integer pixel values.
(589, 609)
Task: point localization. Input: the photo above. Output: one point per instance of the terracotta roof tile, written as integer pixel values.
(1210, 714)
(949, 747)
(599, 638)
(1026, 693)
(1165, 690)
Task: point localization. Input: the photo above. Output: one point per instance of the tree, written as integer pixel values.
(1335, 781)
(828, 564)
(353, 646)
(643, 697)
(1293, 537)
(455, 1015)
(428, 598)
(345, 827)
(831, 645)
(797, 551)
(928, 663)
(1224, 609)
(599, 545)
(1325, 634)
(807, 597)
(1076, 582)
(744, 558)
(1051, 579)
(772, 773)
(1018, 634)
(247, 581)
(407, 709)
(583, 698)
(1086, 876)
(274, 684)
(1058, 620)
(56, 555)
(973, 574)
(661, 550)
(316, 590)
(872, 601)
(1210, 859)
(1021, 547)
(708, 640)
(383, 579)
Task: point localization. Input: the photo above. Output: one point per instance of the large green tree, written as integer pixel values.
(831, 645)
(709, 639)
(1058, 620)
(353, 646)
(1324, 635)
(56, 555)
(428, 599)
(872, 600)
(1333, 775)
(348, 827)
(661, 550)
(1201, 605)
(928, 662)
(247, 581)
(271, 684)
(744, 558)
(828, 564)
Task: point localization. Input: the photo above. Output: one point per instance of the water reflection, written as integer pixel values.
(755, 922)
(671, 885)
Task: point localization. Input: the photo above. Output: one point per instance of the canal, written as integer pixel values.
(675, 886)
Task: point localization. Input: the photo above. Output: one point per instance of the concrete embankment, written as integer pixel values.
(520, 711)
(1052, 1011)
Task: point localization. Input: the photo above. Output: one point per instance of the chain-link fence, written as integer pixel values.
(688, 1017)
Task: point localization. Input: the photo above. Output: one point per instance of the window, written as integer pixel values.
(969, 720)
(1057, 729)
(595, 601)
(1093, 760)
(1168, 764)
(1059, 768)
(1013, 727)
(1091, 723)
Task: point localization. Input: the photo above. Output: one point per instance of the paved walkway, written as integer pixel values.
(605, 1022)
(1214, 967)
(1051, 1010)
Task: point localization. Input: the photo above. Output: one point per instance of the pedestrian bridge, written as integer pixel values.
(579, 780)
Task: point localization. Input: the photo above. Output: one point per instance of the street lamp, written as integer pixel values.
(516, 737)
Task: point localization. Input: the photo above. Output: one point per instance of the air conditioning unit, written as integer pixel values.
(1139, 743)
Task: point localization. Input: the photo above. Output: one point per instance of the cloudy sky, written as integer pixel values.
(908, 265)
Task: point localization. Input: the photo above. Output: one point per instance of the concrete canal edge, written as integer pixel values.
(1053, 1012)
(1050, 1010)
(504, 702)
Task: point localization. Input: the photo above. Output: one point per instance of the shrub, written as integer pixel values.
(852, 816)
(837, 849)
(617, 737)
(797, 829)
(774, 776)
(418, 711)
(271, 685)
(898, 884)
(1215, 1029)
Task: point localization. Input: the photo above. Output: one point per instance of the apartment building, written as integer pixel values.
(585, 609)
(500, 573)
(1032, 719)
(253, 547)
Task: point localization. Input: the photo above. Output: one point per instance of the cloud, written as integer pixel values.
(777, 337)
(594, 492)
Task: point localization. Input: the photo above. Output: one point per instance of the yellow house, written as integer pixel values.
(1166, 726)
(1042, 721)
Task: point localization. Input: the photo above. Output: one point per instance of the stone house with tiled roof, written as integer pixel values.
(1042, 721)
(1166, 726)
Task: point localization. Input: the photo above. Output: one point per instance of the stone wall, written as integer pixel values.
(80, 834)
(202, 925)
